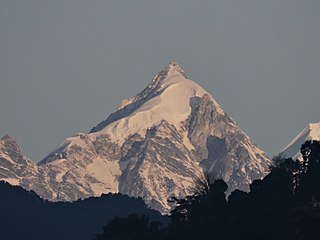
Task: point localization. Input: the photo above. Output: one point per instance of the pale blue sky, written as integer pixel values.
(66, 64)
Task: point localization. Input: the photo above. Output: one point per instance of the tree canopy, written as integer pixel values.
(283, 205)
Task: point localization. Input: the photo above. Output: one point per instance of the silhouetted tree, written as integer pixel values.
(197, 216)
(133, 227)
(307, 211)
(283, 205)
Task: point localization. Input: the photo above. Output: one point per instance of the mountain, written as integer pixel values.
(157, 144)
(311, 132)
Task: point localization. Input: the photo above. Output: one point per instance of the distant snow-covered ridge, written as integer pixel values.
(311, 132)
(158, 144)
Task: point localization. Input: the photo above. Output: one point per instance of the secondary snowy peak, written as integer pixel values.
(9, 142)
(9, 149)
(311, 132)
(15, 167)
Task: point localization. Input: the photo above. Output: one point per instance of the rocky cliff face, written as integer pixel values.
(17, 169)
(158, 144)
(224, 151)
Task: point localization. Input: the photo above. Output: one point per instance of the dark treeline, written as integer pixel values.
(25, 216)
(284, 205)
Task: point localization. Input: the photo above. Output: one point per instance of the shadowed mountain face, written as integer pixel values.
(158, 144)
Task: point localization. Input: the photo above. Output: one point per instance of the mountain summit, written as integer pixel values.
(166, 98)
(157, 144)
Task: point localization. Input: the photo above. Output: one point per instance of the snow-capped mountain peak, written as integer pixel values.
(311, 132)
(157, 144)
(15, 167)
(166, 98)
(8, 140)
(11, 149)
(172, 73)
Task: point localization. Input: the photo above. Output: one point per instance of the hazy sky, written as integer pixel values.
(65, 65)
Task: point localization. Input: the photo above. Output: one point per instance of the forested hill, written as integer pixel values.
(25, 216)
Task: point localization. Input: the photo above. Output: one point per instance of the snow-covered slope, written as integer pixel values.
(311, 132)
(158, 144)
